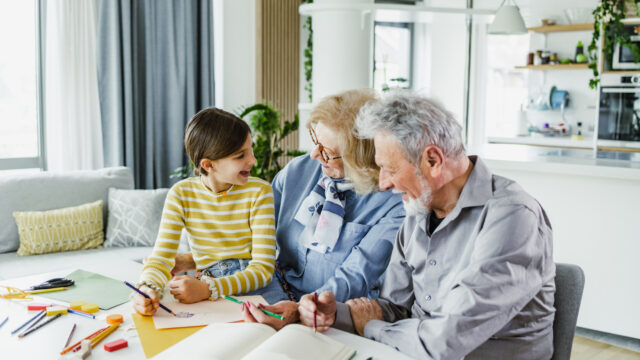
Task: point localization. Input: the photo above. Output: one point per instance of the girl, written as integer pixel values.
(228, 215)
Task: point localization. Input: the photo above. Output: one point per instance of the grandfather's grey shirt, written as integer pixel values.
(480, 287)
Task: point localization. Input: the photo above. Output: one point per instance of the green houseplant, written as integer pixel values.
(267, 134)
(607, 23)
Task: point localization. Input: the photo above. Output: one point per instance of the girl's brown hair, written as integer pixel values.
(339, 112)
(213, 134)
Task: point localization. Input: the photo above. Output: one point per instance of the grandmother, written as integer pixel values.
(334, 228)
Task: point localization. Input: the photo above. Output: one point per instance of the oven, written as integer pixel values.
(619, 113)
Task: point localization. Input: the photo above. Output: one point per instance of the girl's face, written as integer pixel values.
(233, 169)
(327, 141)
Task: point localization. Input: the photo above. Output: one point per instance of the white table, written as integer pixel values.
(47, 342)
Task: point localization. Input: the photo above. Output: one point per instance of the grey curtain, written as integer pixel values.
(155, 70)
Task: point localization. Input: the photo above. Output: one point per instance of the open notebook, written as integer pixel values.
(252, 341)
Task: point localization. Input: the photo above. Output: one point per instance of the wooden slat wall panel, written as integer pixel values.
(278, 60)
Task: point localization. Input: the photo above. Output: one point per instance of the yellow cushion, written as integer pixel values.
(72, 228)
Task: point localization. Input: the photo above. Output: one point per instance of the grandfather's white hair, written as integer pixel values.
(414, 121)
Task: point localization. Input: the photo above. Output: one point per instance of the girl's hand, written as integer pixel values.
(144, 306)
(184, 263)
(189, 290)
(288, 309)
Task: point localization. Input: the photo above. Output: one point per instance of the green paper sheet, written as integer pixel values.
(93, 289)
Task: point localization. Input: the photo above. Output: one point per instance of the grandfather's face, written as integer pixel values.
(397, 173)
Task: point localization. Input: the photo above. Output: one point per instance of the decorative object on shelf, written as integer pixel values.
(607, 18)
(508, 20)
(267, 134)
(537, 60)
(580, 56)
(547, 22)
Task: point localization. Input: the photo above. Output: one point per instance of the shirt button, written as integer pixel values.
(432, 262)
(428, 297)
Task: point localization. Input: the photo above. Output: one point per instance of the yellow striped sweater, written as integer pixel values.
(236, 224)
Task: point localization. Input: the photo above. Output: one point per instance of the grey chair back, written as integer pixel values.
(569, 286)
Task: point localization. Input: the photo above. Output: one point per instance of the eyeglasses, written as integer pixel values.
(321, 149)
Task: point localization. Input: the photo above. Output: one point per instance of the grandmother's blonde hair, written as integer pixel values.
(339, 112)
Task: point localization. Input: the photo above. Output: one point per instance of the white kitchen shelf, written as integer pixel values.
(561, 142)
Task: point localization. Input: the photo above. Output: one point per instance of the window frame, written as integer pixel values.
(38, 161)
(402, 25)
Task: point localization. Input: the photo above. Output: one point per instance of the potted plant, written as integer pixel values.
(607, 22)
(267, 134)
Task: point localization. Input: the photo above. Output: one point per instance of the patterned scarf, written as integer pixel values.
(322, 213)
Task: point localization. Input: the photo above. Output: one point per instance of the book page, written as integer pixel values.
(300, 342)
(230, 341)
(203, 312)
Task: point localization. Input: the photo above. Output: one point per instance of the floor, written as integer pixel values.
(595, 345)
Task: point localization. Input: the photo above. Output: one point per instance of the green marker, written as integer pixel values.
(263, 310)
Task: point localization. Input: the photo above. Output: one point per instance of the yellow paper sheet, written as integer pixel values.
(156, 341)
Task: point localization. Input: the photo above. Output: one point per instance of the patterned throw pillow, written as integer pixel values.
(134, 217)
(72, 228)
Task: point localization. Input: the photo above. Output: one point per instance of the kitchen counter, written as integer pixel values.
(592, 202)
(602, 164)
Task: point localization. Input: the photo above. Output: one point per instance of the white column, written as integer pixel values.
(342, 43)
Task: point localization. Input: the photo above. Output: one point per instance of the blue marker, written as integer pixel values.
(4, 321)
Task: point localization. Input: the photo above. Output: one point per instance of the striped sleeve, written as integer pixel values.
(263, 249)
(157, 270)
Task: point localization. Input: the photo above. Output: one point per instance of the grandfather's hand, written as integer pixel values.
(184, 263)
(325, 308)
(362, 311)
(288, 309)
(144, 306)
(188, 289)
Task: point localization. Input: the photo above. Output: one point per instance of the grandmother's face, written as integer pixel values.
(328, 140)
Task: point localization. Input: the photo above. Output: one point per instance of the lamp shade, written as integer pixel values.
(507, 21)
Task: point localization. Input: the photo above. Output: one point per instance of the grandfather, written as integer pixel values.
(471, 274)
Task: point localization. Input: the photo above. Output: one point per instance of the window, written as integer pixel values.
(393, 53)
(20, 130)
(506, 89)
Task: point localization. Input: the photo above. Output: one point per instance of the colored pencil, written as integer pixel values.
(38, 327)
(96, 340)
(35, 322)
(73, 328)
(28, 321)
(147, 296)
(30, 292)
(69, 348)
(4, 321)
(81, 313)
(263, 310)
(315, 300)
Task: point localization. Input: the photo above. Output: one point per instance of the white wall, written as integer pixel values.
(235, 53)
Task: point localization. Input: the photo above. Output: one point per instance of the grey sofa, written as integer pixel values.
(51, 190)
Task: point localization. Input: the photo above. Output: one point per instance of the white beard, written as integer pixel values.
(422, 205)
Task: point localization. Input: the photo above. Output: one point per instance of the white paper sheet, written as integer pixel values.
(205, 312)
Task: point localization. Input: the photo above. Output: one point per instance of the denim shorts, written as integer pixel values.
(272, 293)
(226, 267)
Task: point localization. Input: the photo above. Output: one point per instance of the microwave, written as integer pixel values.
(623, 58)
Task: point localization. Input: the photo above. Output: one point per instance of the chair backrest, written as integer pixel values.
(569, 286)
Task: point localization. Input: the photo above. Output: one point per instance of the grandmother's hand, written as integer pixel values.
(288, 309)
(325, 310)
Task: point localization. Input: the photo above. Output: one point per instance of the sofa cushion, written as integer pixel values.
(134, 217)
(71, 228)
(14, 266)
(52, 190)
